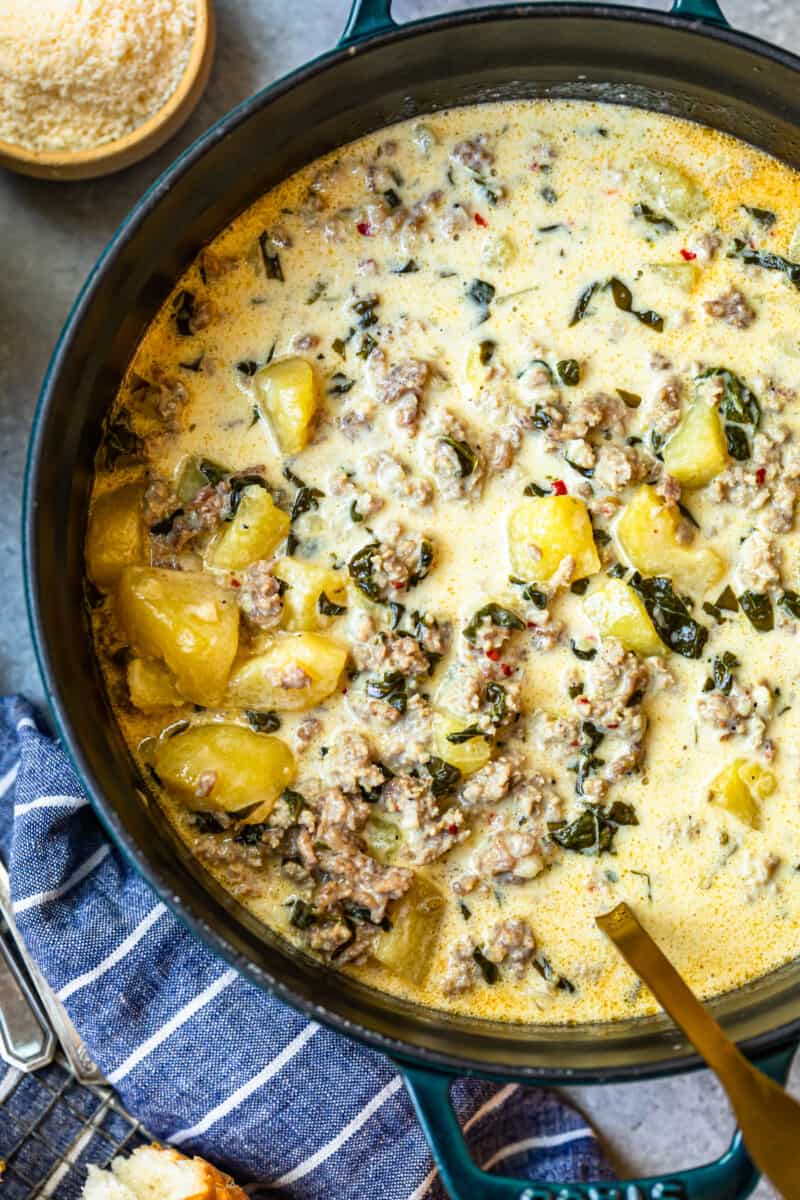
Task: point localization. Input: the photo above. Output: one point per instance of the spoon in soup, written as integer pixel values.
(767, 1115)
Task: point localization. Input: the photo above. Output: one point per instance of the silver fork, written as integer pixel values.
(31, 1015)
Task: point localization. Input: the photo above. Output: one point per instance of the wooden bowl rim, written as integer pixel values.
(202, 48)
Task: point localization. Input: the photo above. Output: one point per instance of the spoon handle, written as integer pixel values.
(768, 1117)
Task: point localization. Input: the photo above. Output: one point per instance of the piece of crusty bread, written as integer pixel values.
(159, 1173)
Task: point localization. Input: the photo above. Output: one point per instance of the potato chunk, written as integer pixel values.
(543, 530)
(697, 451)
(683, 275)
(295, 672)
(152, 686)
(671, 190)
(185, 619)
(739, 788)
(616, 611)
(258, 527)
(647, 533)
(306, 582)
(225, 767)
(468, 755)
(288, 395)
(407, 949)
(115, 537)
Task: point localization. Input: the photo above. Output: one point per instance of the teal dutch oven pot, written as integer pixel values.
(689, 63)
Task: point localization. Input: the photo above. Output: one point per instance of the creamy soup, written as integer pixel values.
(443, 564)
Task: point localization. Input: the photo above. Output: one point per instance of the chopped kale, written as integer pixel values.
(366, 346)
(739, 409)
(580, 586)
(488, 969)
(584, 300)
(391, 689)
(757, 607)
(630, 399)
(673, 622)
(579, 652)
(207, 822)
(444, 776)
(763, 258)
(496, 696)
(459, 736)
(594, 830)
(196, 365)
(340, 384)
(535, 489)
(365, 311)
(547, 973)
(624, 301)
(247, 367)
(302, 913)
(495, 614)
(548, 194)
(764, 217)
(355, 515)
(317, 290)
(360, 569)
(262, 722)
(425, 564)
(486, 351)
(328, 608)
(251, 835)
(482, 294)
(391, 197)
(397, 610)
(657, 220)
(408, 268)
(467, 458)
(722, 668)
(791, 602)
(121, 443)
(569, 371)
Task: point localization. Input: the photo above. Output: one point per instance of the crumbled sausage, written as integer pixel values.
(732, 307)
(260, 596)
(512, 945)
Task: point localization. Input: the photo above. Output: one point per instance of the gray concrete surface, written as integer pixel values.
(50, 235)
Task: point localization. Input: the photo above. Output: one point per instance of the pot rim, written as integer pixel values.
(770, 1041)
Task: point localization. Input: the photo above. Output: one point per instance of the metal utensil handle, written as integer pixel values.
(72, 1043)
(371, 17)
(26, 1040)
(732, 1177)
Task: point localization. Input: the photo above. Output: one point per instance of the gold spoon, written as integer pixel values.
(768, 1117)
(124, 151)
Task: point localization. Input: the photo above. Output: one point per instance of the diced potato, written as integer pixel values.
(469, 755)
(383, 838)
(671, 190)
(114, 539)
(683, 275)
(258, 527)
(478, 359)
(647, 532)
(305, 583)
(225, 767)
(556, 526)
(794, 244)
(270, 680)
(407, 949)
(739, 788)
(152, 686)
(697, 451)
(185, 619)
(289, 398)
(616, 611)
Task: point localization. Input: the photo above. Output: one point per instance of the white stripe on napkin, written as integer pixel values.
(93, 861)
(115, 956)
(8, 780)
(538, 1143)
(174, 1023)
(25, 723)
(309, 1164)
(240, 1095)
(491, 1104)
(50, 802)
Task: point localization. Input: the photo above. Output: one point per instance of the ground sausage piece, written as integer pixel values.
(210, 507)
(403, 381)
(293, 678)
(489, 785)
(512, 944)
(349, 764)
(461, 972)
(260, 596)
(473, 154)
(731, 307)
(758, 567)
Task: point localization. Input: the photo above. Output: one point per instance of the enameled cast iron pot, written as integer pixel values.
(689, 63)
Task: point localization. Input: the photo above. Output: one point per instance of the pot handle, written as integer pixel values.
(369, 17)
(732, 1177)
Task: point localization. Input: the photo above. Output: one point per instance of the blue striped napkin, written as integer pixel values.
(207, 1061)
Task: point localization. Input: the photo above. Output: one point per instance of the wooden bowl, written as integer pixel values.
(146, 138)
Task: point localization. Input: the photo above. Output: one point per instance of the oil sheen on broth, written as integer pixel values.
(444, 564)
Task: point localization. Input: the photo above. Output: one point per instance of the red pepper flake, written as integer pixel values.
(235, 583)
(688, 255)
(530, 624)
(479, 220)
(761, 475)
(344, 691)
(494, 655)
(534, 166)
(613, 725)
(452, 830)
(559, 487)
(365, 229)
(396, 583)
(506, 669)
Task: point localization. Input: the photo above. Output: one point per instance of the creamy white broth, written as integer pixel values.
(544, 209)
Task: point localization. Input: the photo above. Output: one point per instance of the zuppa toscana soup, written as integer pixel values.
(443, 564)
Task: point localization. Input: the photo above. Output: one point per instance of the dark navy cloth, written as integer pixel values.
(206, 1060)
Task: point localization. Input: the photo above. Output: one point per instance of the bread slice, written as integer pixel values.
(159, 1173)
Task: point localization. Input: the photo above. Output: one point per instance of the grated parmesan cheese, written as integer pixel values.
(80, 73)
